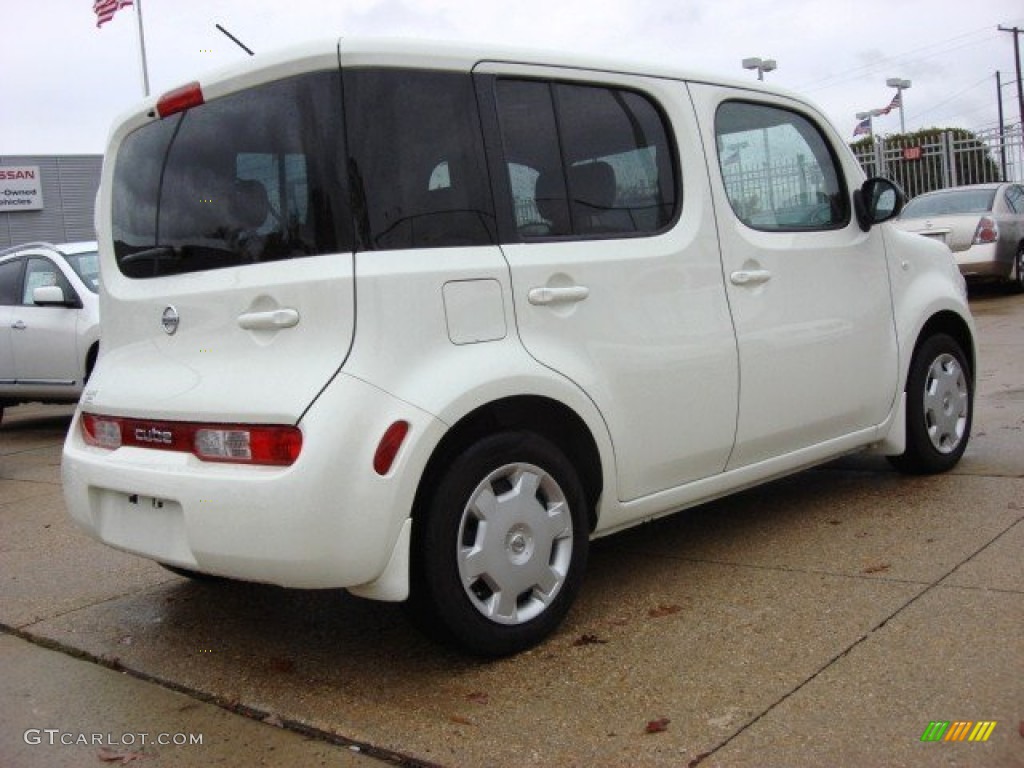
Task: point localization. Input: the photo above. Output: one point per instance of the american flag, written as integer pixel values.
(105, 9)
(863, 127)
(894, 104)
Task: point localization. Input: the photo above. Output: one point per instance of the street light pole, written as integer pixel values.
(900, 85)
(1017, 31)
(761, 65)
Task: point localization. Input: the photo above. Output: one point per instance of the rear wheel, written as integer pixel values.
(940, 405)
(500, 550)
(1017, 283)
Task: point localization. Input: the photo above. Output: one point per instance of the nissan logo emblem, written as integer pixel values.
(169, 320)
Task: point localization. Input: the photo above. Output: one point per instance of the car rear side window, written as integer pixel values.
(585, 161)
(418, 169)
(779, 170)
(1015, 199)
(254, 176)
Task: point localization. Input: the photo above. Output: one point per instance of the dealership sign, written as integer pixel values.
(21, 188)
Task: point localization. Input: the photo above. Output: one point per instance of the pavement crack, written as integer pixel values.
(937, 583)
(233, 706)
(76, 609)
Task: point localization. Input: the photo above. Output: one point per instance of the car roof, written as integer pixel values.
(357, 52)
(71, 249)
(965, 188)
(67, 249)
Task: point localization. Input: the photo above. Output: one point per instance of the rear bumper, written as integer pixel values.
(327, 521)
(981, 262)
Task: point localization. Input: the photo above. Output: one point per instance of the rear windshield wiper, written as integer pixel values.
(157, 253)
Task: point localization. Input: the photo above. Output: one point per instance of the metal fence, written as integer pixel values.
(949, 159)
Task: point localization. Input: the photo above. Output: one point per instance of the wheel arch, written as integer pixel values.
(544, 416)
(951, 324)
(90, 359)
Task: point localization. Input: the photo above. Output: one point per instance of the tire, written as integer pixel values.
(940, 407)
(1017, 279)
(500, 547)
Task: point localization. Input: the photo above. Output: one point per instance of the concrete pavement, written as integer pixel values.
(825, 619)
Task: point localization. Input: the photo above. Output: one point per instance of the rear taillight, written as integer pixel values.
(105, 433)
(268, 445)
(987, 231)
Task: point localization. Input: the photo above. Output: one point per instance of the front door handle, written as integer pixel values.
(273, 320)
(750, 277)
(546, 296)
(19, 325)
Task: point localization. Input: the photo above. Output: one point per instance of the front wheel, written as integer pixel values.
(500, 549)
(940, 406)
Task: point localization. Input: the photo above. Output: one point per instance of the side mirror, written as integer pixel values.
(876, 201)
(49, 296)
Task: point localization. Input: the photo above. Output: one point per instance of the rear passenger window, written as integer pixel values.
(779, 171)
(1015, 199)
(585, 160)
(418, 169)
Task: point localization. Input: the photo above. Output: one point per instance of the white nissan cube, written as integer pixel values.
(421, 321)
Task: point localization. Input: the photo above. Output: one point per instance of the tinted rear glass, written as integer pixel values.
(418, 170)
(255, 176)
(950, 203)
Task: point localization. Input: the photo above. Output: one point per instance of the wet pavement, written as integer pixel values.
(824, 619)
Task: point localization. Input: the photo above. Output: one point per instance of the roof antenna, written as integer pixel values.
(235, 40)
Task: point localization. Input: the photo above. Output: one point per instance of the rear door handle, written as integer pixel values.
(19, 325)
(750, 277)
(274, 320)
(570, 294)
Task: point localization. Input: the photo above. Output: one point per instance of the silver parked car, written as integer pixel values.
(983, 224)
(49, 321)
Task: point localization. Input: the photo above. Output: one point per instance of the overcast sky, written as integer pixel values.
(64, 81)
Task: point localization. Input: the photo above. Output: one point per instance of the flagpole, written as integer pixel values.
(142, 49)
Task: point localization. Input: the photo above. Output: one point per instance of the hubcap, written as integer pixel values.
(946, 403)
(515, 544)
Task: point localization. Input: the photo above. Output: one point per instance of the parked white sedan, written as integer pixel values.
(983, 224)
(49, 322)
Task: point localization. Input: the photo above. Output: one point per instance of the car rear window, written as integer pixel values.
(950, 203)
(251, 177)
(87, 267)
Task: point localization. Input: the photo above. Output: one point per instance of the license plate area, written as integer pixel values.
(147, 502)
(147, 525)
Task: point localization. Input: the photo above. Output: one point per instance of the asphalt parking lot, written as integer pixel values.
(825, 619)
